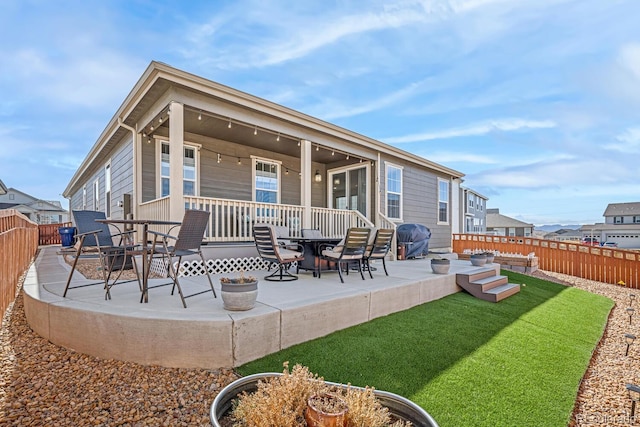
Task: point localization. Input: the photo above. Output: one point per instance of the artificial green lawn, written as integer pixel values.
(466, 361)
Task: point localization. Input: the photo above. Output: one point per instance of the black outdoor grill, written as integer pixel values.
(415, 239)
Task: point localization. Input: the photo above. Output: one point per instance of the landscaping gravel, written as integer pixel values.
(43, 384)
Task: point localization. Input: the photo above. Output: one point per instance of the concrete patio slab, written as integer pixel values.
(205, 335)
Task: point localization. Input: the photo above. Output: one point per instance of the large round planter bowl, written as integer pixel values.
(440, 266)
(490, 257)
(238, 295)
(398, 406)
(478, 260)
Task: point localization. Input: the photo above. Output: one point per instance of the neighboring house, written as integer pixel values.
(564, 235)
(39, 211)
(621, 225)
(473, 211)
(3, 189)
(502, 225)
(181, 141)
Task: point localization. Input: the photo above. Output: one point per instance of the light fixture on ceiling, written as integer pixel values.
(317, 176)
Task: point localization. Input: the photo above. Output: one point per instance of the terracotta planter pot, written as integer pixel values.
(398, 406)
(318, 414)
(440, 266)
(478, 260)
(238, 294)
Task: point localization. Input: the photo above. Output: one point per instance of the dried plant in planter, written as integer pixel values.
(239, 280)
(281, 402)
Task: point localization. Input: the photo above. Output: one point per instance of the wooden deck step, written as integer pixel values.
(504, 291)
(485, 284)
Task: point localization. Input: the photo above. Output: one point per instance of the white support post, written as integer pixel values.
(305, 182)
(176, 154)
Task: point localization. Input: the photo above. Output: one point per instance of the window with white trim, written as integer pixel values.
(96, 195)
(394, 191)
(266, 180)
(189, 170)
(636, 219)
(618, 220)
(443, 201)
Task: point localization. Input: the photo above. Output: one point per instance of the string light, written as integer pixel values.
(219, 158)
(255, 130)
(229, 125)
(333, 153)
(278, 138)
(298, 143)
(200, 116)
(239, 161)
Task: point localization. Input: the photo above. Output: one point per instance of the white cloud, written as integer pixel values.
(502, 125)
(452, 156)
(628, 142)
(629, 59)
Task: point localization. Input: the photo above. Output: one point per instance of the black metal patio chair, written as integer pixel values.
(378, 249)
(187, 242)
(349, 252)
(269, 250)
(95, 239)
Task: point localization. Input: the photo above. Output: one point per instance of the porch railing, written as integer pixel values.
(232, 220)
(18, 246)
(385, 222)
(589, 262)
(335, 222)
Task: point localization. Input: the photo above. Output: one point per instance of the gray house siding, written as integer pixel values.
(121, 181)
(419, 200)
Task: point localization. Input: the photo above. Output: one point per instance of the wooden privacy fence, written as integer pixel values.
(48, 233)
(18, 246)
(608, 265)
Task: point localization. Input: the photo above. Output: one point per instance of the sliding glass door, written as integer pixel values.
(348, 189)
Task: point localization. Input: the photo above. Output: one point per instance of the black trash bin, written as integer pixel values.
(66, 235)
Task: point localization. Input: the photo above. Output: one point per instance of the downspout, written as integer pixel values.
(134, 140)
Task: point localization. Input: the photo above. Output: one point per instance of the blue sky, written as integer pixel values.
(536, 101)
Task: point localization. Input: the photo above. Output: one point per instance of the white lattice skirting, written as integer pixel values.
(215, 266)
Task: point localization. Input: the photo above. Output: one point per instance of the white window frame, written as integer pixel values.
(196, 153)
(107, 189)
(278, 165)
(448, 201)
(96, 194)
(84, 197)
(387, 167)
(620, 218)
